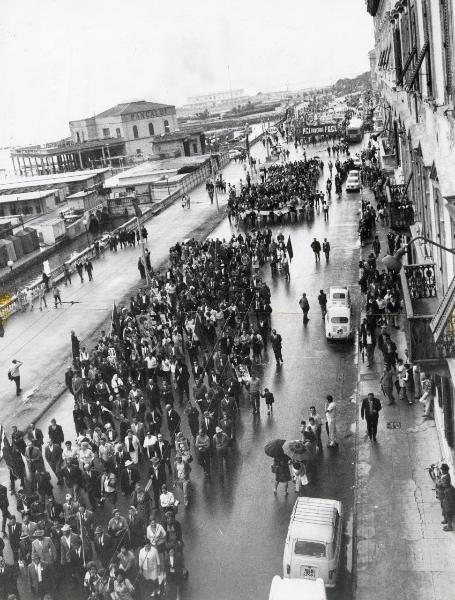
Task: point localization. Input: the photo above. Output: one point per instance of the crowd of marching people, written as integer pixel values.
(127, 471)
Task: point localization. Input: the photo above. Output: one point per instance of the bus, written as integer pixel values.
(354, 130)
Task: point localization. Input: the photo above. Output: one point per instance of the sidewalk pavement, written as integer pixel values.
(41, 340)
(401, 550)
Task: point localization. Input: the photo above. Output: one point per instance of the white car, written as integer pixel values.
(313, 542)
(297, 589)
(357, 161)
(338, 318)
(353, 182)
(338, 296)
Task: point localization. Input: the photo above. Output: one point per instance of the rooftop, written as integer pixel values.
(126, 108)
(22, 184)
(27, 196)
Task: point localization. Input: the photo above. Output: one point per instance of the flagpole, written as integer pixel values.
(141, 241)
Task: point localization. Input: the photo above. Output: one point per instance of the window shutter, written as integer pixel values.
(446, 41)
(397, 52)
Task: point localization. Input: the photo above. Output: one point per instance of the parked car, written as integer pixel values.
(313, 543)
(339, 296)
(297, 589)
(353, 181)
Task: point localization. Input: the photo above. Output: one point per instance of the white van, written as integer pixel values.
(297, 589)
(313, 543)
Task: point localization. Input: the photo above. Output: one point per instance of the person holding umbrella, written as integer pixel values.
(280, 468)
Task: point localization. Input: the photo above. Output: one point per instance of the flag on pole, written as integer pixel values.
(137, 210)
(289, 249)
(5, 447)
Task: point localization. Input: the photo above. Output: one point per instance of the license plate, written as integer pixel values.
(308, 572)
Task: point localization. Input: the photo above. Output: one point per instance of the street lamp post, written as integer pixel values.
(85, 222)
(10, 264)
(395, 262)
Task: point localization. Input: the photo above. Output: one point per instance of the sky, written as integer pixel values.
(69, 59)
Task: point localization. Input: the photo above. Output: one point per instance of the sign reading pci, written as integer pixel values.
(318, 129)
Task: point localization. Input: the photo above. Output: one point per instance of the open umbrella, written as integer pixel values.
(274, 449)
(296, 450)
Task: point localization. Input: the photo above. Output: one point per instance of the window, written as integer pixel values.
(106, 132)
(195, 148)
(135, 132)
(339, 320)
(138, 151)
(38, 209)
(306, 548)
(446, 30)
(166, 126)
(151, 129)
(78, 137)
(118, 132)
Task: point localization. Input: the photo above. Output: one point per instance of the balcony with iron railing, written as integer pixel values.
(401, 209)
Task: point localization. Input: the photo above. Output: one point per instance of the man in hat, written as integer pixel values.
(70, 510)
(129, 476)
(448, 506)
(70, 545)
(103, 546)
(137, 527)
(25, 548)
(118, 526)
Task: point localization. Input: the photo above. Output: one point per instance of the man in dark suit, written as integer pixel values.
(121, 456)
(54, 511)
(8, 580)
(91, 481)
(129, 476)
(36, 435)
(103, 546)
(53, 453)
(72, 476)
(154, 419)
(55, 433)
(162, 450)
(173, 422)
(157, 476)
(39, 577)
(208, 424)
(370, 412)
(14, 536)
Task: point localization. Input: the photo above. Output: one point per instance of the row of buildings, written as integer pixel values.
(112, 138)
(413, 70)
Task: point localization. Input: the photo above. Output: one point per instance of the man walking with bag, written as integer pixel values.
(14, 375)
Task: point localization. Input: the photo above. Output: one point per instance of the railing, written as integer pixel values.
(421, 280)
(15, 303)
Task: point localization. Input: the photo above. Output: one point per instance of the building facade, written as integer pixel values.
(135, 123)
(415, 61)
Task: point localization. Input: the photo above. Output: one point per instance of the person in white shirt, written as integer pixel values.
(15, 375)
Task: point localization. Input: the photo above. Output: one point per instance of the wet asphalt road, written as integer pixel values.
(234, 529)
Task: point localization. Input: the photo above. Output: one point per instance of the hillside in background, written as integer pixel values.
(347, 86)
